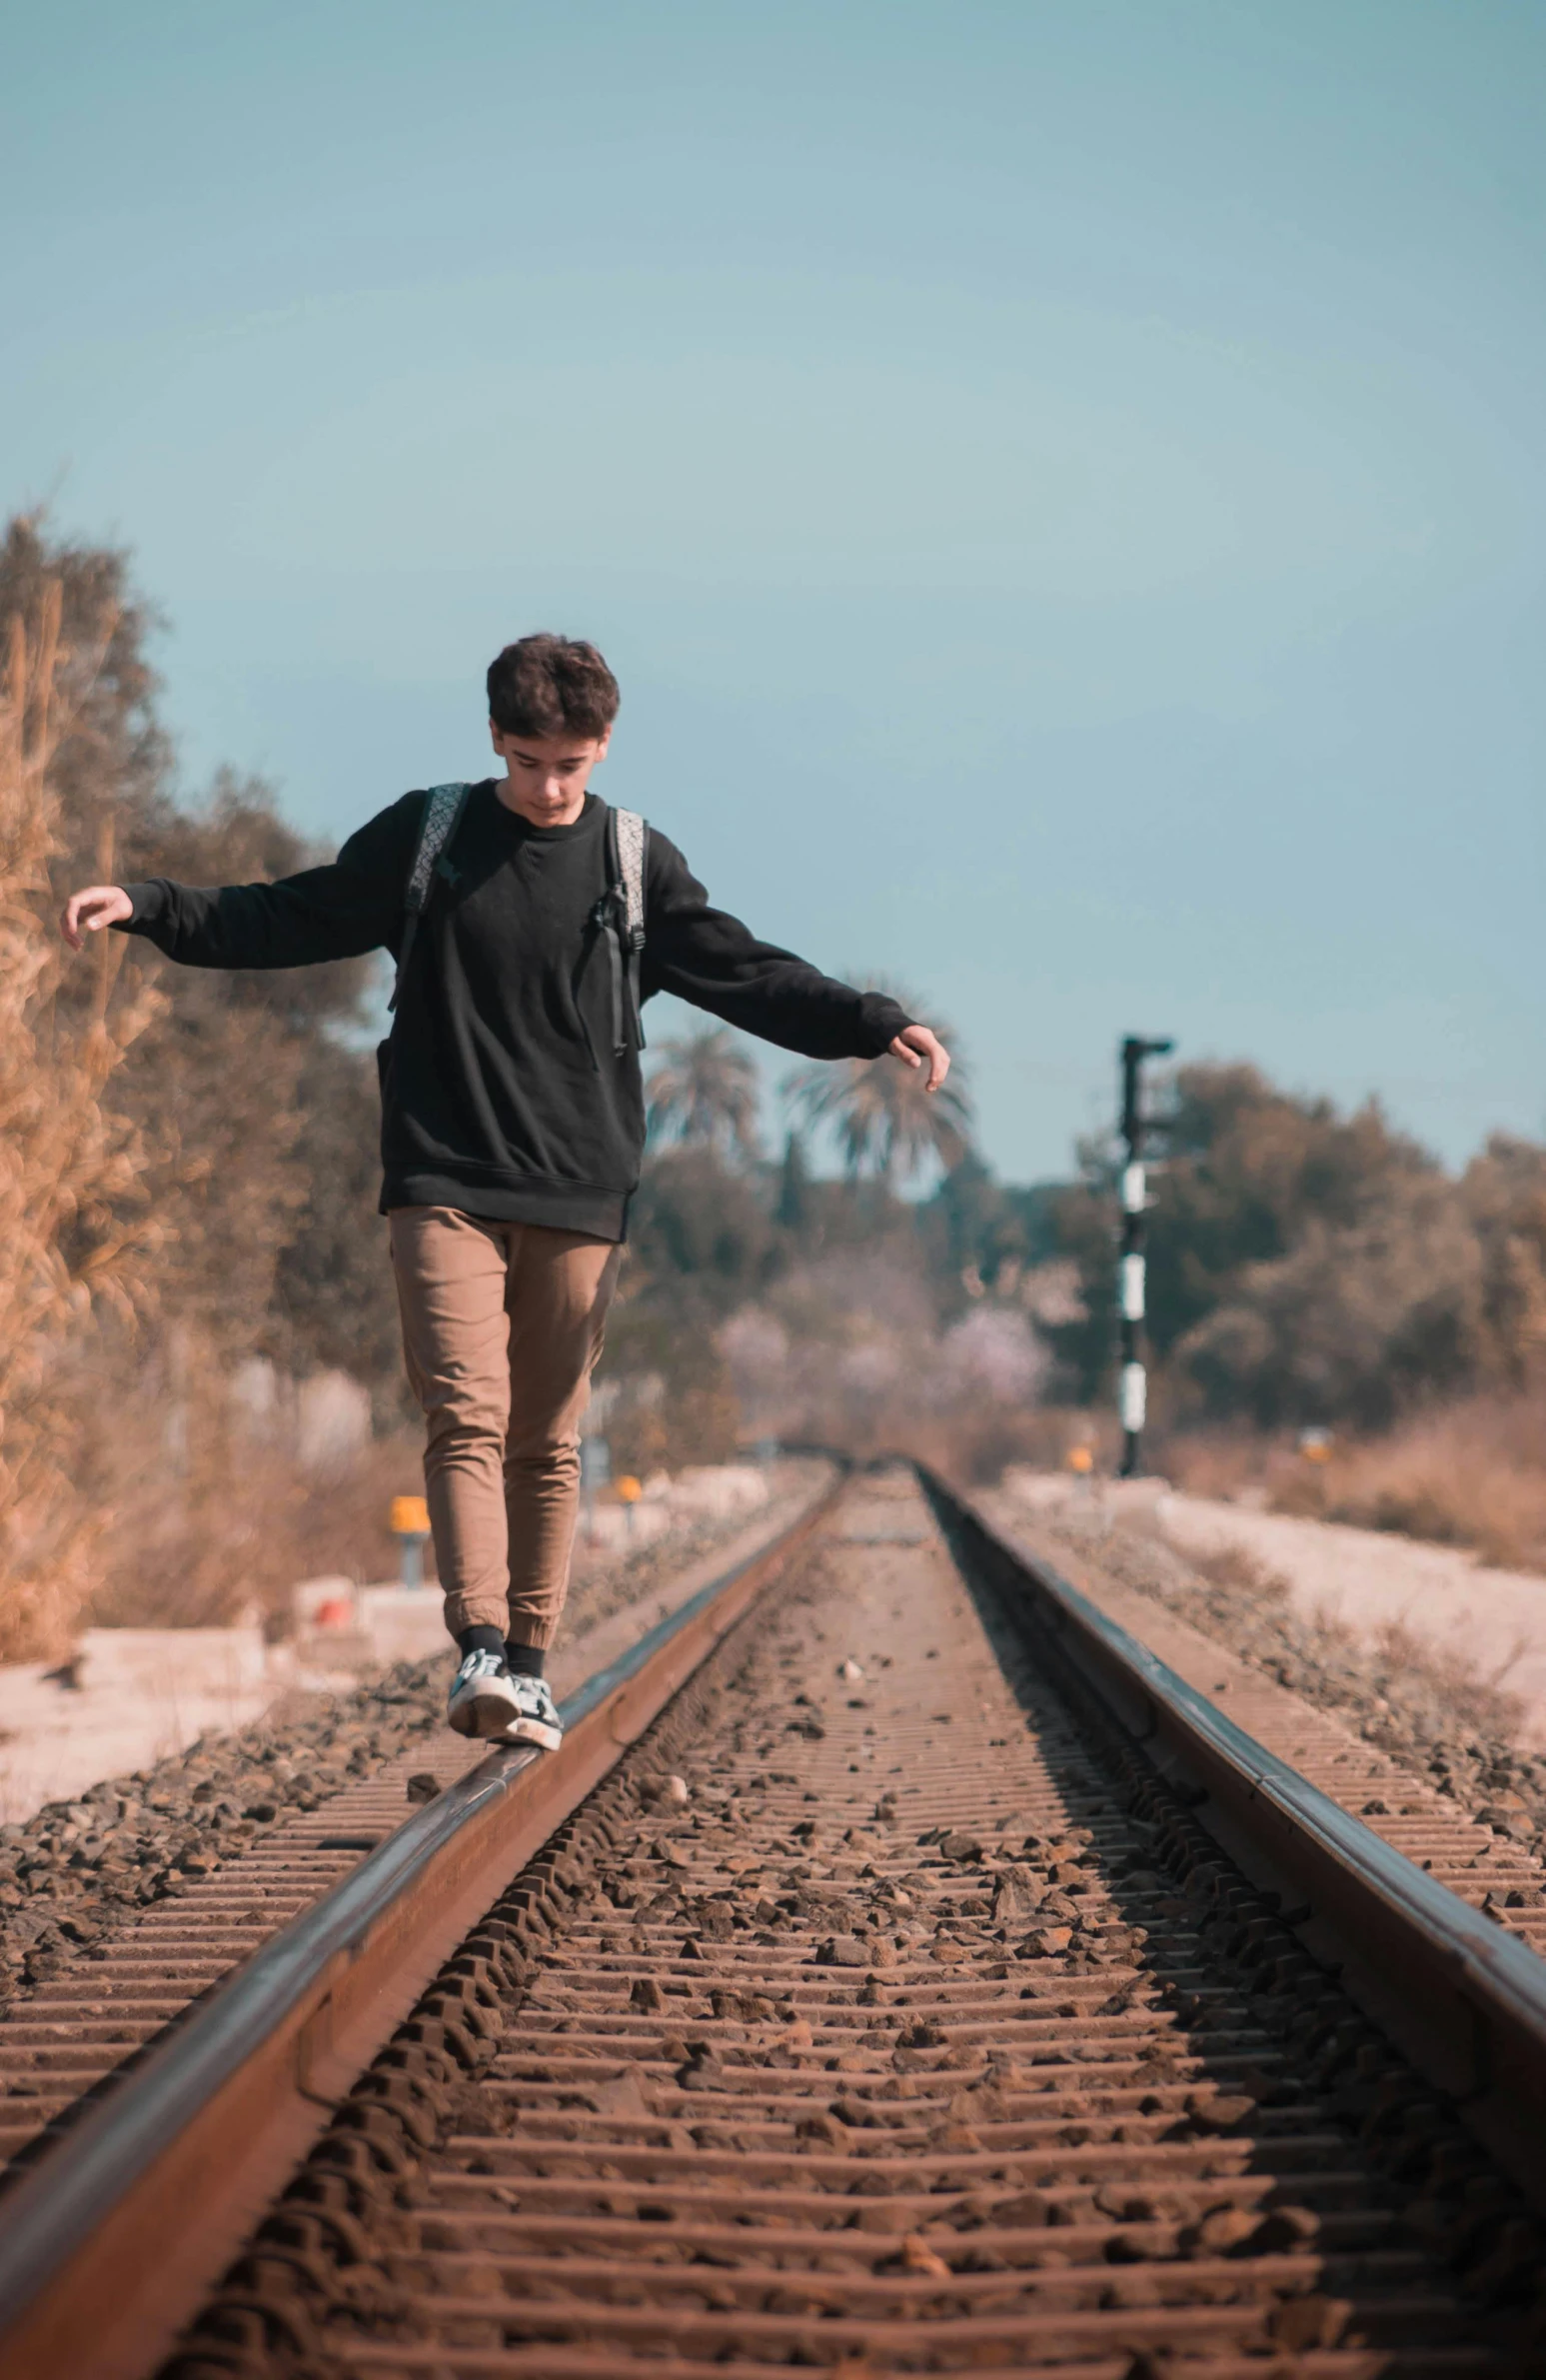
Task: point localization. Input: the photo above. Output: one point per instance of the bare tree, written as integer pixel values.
(705, 1089)
(884, 1122)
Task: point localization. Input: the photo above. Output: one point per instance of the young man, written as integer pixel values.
(513, 1117)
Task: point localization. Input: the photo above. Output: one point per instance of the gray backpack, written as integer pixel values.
(618, 918)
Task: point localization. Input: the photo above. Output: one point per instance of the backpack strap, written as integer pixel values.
(629, 833)
(630, 843)
(619, 916)
(443, 806)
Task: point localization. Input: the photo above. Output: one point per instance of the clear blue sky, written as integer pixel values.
(1061, 485)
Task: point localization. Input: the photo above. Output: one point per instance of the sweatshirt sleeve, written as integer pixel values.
(705, 955)
(339, 912)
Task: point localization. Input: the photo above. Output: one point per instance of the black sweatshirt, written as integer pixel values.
(491, 1098)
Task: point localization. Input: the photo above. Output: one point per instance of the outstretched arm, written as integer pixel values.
(709, 958)
(337, 911)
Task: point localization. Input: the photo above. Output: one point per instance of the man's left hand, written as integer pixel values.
(915, 1045)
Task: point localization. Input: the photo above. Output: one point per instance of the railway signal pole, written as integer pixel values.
(1132, 1391)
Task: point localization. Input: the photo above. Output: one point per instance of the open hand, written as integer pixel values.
(88, 911)
(915, 1044)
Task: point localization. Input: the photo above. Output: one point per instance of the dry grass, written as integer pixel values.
(234, 1523)
(1472, 1703)
(1223, 1463)
(1252, 1582)
(75, 1236)
(1472, 1474)
(977, 1449)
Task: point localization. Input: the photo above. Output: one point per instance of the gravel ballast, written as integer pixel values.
(1427, 1712)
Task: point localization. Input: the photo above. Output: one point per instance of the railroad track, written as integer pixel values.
(937, 1983)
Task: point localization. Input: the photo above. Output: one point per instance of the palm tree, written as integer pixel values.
(885, 1123)
(704, 1088)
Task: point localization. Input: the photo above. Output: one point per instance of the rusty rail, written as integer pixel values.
(1462, 1997)
(107, 2245)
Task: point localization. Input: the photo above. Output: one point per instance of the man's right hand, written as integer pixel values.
(88, 911)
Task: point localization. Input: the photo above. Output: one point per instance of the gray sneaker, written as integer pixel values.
(536, 1718)
(483, 1696)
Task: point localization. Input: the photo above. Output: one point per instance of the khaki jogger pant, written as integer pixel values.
(502, 1327)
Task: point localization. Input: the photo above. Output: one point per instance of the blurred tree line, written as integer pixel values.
(1310, 1268)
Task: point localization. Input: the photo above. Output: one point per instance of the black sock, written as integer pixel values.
(481, 1640)
(525, 1660)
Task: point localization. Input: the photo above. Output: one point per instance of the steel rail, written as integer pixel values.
(1463, 1997)
(107, 2243)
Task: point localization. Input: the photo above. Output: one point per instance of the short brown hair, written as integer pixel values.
(552, 686)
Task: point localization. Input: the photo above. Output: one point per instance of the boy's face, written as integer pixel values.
(545, 775)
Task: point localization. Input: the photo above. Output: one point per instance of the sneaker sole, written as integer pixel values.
(547, 1739)
(483, 1715)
